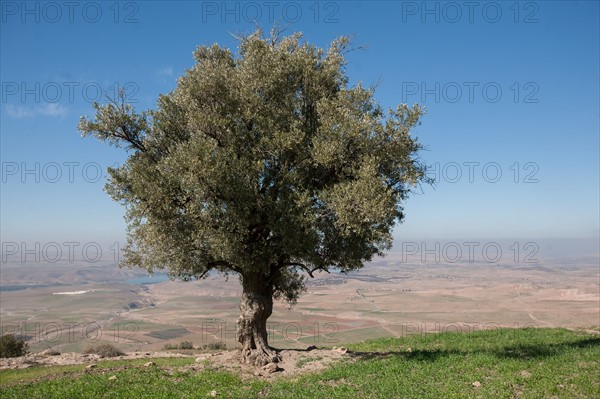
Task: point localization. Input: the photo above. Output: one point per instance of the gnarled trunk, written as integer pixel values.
(256, 305)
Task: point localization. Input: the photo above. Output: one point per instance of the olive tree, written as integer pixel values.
(265, 163)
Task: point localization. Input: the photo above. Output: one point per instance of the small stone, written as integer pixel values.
(90, 367)
(561, 386)
(476, 384)
(271, 367)
(149, 364)
(213, 393)
(112, 378)
(341, 350)
(409, 350)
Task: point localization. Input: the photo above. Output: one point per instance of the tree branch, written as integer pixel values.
(305, 268)
(220, 263)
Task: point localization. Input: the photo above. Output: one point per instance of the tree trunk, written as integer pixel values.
(256, 305)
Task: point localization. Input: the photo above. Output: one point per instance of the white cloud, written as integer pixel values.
(53, 109)
(49, 109)
(167, 71)
(19, 111)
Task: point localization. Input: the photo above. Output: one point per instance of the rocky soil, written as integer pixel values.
(292, 361)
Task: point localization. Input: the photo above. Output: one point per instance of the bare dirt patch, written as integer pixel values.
(293, 362)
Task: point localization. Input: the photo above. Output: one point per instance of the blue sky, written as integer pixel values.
(511, 89)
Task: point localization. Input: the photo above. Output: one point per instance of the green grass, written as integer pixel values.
(32, 374)
(526, 363)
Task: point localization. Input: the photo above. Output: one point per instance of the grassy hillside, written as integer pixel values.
(527, 363)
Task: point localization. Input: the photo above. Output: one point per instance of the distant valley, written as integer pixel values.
(70, 306)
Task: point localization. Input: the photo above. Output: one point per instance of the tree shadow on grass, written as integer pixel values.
(522, 351)
(544, 350)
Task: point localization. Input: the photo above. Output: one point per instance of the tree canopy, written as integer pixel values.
(264, 163)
